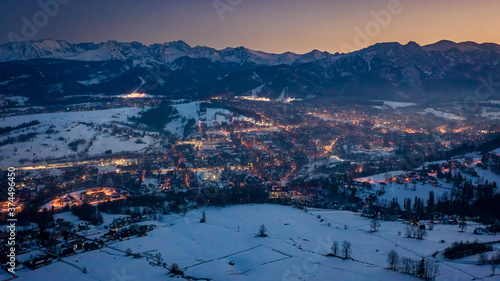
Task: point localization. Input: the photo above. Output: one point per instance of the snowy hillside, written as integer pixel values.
(225, 248)
(73, 134)
(403, 191)
(192, 110)
(88, 132)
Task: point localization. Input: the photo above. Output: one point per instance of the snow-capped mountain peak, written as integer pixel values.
(163, 53)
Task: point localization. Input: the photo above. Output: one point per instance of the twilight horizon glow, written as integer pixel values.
(272, 26)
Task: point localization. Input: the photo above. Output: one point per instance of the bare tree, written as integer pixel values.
(175, 269)
(420, 233)
(129, 252)
(483, 259)
(415, 266)
(346, 249)
(262, 231)
(156, 259)
(495, 260)
(409, 231)
(335, 248)
(393, 259)
(406, 265)
(431, 270)
(421, 269)
(462, 226)
(203, 217)
(431, 225)
(374, 225)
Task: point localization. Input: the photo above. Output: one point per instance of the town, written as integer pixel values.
(384, 161)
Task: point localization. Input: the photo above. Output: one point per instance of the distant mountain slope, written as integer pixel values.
(48, 69)
(161, 53)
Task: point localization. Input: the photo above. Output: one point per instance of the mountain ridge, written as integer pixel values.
(159, 52)
(170, 51)
(46, 70)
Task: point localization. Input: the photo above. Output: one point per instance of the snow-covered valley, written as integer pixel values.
(226, 248)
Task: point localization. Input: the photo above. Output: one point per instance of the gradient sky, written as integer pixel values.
(268, 25)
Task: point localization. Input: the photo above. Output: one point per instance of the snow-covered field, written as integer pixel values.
(441, 114)
(396, 104)
(191, 110)
(186, 111)
(496, 151)
(491, 113)
(294, 250)
(402, 191)
(57, 130)
(494, 101)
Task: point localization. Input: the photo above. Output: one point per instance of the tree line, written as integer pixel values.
(8, 129)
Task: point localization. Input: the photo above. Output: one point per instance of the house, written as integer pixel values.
(39, 262)
(83, 226)
(92, 246)
(76, 244)
(67, 251)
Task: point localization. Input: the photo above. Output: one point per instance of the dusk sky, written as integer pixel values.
(267, 25)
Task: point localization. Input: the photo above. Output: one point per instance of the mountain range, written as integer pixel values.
(51, 70)
(139, 53)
